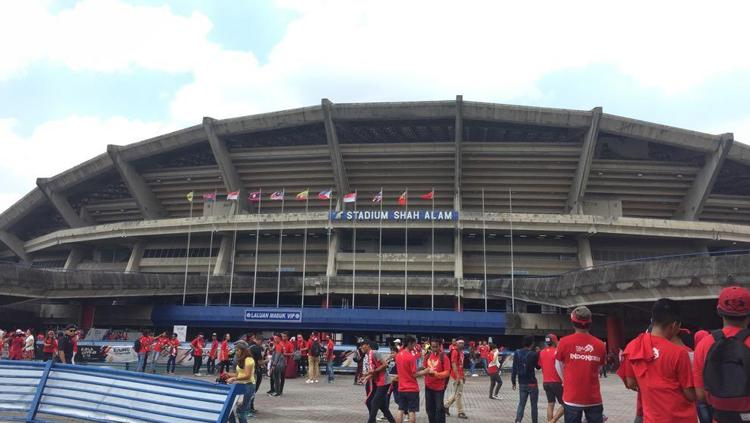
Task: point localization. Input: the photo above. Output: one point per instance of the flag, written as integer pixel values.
(189, 197)
(278, 195)
(209, 196)
(304, 195)
(378, 198)
(233, 195)
(403, 198)
(324, 195)
(350, 198)
(429, 196)
(254, 196)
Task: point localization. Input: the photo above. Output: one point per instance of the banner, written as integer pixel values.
(277, 316)
(181, 331)
(396, 215)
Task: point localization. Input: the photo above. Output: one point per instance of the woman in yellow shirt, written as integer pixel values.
(244, 377)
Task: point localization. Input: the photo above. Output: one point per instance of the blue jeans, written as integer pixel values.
(170, 363)
(247, 390)
(524, 393)
(152, 356)
(472, 366)
(704, 413)
(594, 414)
(484, 366)
(329, 371)
(142, 360)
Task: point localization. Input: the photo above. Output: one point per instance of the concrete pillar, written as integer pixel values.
(585, 260)
(223, 259)
(16, 246)
(337, 160)
(74, 258)
(232, 181)
(333, 248)
(147, 202)
(578, 187)
(61, 204)
(614, 333)
(87, 316)
(136, 254)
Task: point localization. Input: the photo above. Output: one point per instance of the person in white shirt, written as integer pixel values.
(28, 346)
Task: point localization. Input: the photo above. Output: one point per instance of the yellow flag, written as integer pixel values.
(303, 195)
(189, 196)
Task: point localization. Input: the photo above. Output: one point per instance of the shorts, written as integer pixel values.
(554, 391)
(408, 401)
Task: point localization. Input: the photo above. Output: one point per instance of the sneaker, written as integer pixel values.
(474, 375)
(497, 397)
(462, 416)
(308, 381)
(447, 411)
(316, 381)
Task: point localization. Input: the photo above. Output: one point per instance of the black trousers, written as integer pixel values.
(495, 383)
(258, 379)
(224, 366)
(197, 363)
(433, 404)
(211, 365)
(378, 399)
(277, 380)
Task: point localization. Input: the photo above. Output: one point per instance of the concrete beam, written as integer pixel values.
(458, 252)
(144, 197)
(661, 134)
(74, 258)
(229, 175)
(339, 171)
(15, 245)
(693, 202)
(333, 248)
(458, 139)
(223, 258)
(136, 254)
(585, 260)
(578, 188)
(61, 204)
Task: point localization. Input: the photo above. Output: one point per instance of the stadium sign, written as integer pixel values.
(276, 316)
(396, 215)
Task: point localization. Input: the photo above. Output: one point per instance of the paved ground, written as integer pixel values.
(344, 402)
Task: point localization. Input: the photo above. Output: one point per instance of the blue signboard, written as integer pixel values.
(275, 315)
(399, 215)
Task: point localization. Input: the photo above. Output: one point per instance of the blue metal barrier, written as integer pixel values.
(35, 392)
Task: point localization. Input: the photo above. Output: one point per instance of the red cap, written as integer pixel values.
(551, 338)
(699, 335)
(575, 319)
(734, 301)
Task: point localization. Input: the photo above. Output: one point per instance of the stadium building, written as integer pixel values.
(373, 215)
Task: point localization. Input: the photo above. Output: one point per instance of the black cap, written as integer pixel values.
(71, 326)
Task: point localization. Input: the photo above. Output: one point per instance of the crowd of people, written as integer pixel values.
(678, 376)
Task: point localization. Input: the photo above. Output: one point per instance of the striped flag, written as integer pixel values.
(378, 198)
(233, 195)
(325, 195)
(403, 198)
(350, 198)
(189, 196)
(278, 195)
(209, 196)
(254, 196)
(304, 195)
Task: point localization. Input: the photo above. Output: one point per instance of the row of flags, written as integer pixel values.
(305, 196)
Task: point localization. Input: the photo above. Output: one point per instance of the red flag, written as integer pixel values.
(210, 196)
(350, 198)
(429, 196)
(233, 195)
(254, 196)
(402, 199)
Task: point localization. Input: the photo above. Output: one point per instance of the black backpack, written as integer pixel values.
(522, 368)
(726, 375)
(315, 349)
(137, 345)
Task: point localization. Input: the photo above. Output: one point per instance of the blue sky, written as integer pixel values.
(78, 75)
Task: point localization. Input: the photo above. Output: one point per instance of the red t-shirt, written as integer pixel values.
(329, 350)
(625, 371)
(198, 344)
(442, 367)
(457, 356)
(484, 351)
(701, 351)
(173, 345)
(50, 345)
(214, 349)
(547, 358)
(288, 349)
(406, 364)
(146, 342)
(581, 354)
(302, 346)
(661, 381)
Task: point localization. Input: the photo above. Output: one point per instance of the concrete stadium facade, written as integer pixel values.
(587, 189)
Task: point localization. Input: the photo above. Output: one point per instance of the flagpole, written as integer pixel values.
(281, 242)
(210, 253)
(257, 241)
(512, 264)
(328, 277)
(354, 250)
(432, 265)
(304, 249)
(187, 252)
(484, 250)
(380, 245)
(406, 249)
(234, 253)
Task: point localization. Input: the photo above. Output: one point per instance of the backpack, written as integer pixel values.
(137, 345)
(522, 366)
(726, 374)
(315, 349)
(297, 356)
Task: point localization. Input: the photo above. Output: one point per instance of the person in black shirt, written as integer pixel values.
(525, 363)
(65, 351)
(256, 351)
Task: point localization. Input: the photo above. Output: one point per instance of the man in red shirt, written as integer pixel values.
(213, 353)
(734, 309)
(302, 348)
(291, 365)
(458, 378)
(223, 357)
(661, 369)
(377, 381)
(408, 388)
(50, 346)
(551, 381)
(173, 344)
(435, 381)
(329, 358)
(158, 347)
(198, 344)
(484, 352)
(144, 343)
(578, 359)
